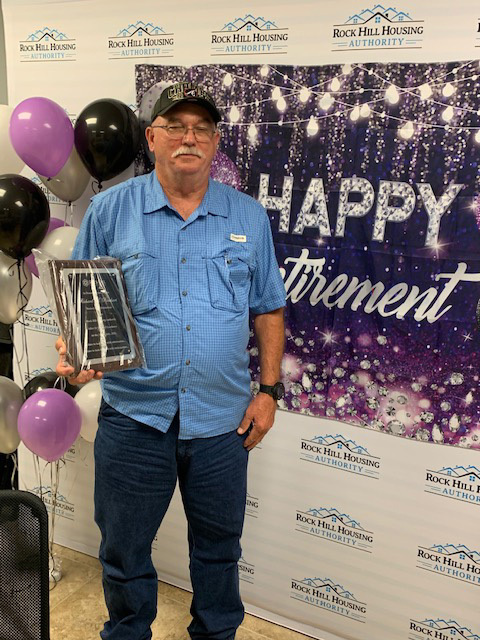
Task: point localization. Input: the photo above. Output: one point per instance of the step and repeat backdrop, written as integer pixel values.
(357, 126)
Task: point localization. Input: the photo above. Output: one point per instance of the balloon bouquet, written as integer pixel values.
(38, 133)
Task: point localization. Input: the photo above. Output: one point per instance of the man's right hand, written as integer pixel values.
(67, 371)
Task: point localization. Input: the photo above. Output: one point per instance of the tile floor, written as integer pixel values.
(77, 608)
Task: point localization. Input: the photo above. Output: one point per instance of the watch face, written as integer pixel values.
(278, 390)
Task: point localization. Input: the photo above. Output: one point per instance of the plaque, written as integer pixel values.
(94, 314)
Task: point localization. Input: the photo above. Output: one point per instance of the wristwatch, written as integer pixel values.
(277, 391)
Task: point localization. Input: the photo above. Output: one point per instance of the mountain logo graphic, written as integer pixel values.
(47, 33)
(249, 21)
(141, 28)
(390, 14)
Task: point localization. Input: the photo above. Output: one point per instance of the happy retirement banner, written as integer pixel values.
(369, 173)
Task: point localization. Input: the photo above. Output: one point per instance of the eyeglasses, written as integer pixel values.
(178, 131)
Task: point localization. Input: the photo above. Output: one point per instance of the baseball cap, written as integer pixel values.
(181, 92)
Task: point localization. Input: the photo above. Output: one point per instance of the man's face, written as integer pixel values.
(186, 156)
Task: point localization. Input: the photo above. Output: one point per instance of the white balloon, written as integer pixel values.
(11, 400)
(9, 161)
(59, 243)
(11, 300)
(88, 399)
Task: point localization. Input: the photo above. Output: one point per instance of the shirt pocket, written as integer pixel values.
(140, 271)
(229, 278)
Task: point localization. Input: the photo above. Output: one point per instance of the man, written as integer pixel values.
(196, 256)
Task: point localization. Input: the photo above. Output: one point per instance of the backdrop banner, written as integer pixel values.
(370, 176)
(368, 167)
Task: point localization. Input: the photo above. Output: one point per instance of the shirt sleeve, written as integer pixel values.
(267, 292)
(90, 242)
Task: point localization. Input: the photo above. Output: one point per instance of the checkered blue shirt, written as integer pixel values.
(190, 284)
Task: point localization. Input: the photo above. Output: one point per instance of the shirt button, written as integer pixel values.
(184, 260)
(184, 293)
(187, 327)
(183, 389)
(187, 362)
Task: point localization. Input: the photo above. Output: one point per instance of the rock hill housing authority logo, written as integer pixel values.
(378, 27)
(334, 526)
(455, 561)
(440, 630)
(325, 594)
(48, 45)
(249, 35)
(458, 483)
(338, 452)
(246, 571)
(40, 319)
(63, 507)
(141, 40)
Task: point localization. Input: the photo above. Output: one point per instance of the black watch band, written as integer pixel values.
(276, 391)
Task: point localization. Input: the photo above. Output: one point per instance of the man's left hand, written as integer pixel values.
(260, 414)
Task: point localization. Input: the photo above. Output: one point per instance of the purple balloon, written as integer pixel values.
(42, 135)
(55, 223)
(225, 170)
(49, 423)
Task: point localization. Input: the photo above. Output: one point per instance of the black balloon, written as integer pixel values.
(24, 215)
(107, 138)
(47, 381)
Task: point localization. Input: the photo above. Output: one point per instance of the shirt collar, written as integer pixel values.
(213, 202)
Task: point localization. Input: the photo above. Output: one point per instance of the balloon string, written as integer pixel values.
(24, 301)
(14, 458)
(54, 477)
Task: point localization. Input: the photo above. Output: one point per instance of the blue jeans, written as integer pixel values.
(136, 469)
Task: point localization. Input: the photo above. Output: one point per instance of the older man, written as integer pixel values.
(197, 258)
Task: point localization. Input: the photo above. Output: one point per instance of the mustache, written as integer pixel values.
(184, 150)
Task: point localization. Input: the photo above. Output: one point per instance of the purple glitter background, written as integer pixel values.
(400, 376)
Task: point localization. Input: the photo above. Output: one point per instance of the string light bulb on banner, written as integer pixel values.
(304, 94)
(448, 90)
(252, 133)
(326, 102)
(392, 95)
(276, 93)
(281, 104)
(312, 126)
(407, 130)
(355, 113)
(477, 137)
(447, 114)
(264, 71)
(365, 110)
(425, 91)
(234, 114)
(335, 85)
(228, 80)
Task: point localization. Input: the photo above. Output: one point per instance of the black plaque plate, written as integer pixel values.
(94, 314)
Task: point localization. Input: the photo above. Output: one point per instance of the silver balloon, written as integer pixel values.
(147, 103)
(11, 298)
(71, 181)
(11, 400)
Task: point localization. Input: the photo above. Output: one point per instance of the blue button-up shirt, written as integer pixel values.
(190, 285)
